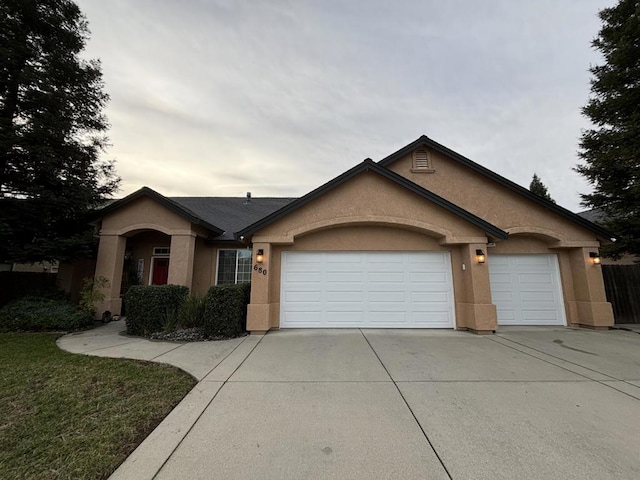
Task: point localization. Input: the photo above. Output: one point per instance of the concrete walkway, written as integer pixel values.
(527, 403)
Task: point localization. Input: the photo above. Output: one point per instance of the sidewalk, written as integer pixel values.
(211, 363)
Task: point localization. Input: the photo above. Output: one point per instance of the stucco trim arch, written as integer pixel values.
(146, 226)
(550, 236)
(384, 220)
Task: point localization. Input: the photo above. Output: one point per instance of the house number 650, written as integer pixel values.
(259, 269)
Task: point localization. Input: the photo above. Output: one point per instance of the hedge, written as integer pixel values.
(226, 312)
(151, 307)
(42, 314)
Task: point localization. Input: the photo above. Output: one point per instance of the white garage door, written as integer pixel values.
(366, 289)
(526, 289)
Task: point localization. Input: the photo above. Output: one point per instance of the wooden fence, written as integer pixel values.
(622, 284)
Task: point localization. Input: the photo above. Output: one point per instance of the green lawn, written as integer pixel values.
(65, 416)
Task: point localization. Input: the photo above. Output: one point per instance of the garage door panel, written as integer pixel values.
(336, 319)
(543, 261)
(382, 257)
(429, 277)
(436, 259)
(526, 289)
(387, 297)
(360, 289)
(302, 316)
(498, 279)
(388, 319)
(506, 315)
(345, 296)
(430, 297)
(345, 257)
(303, 277)
(351, 277)
(542, 296)
(533, 278)
(535, 315)
(501, 297)
(437, 319)
(386, 277)
(304, 297)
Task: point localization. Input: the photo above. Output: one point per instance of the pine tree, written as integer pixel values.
(611, 149)
(51, 132)
(536, 186)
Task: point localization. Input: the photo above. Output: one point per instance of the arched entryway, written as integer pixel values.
(146, 259)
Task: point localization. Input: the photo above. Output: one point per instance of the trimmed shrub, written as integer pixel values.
(42, 314)
(192, 310)
(226, 313)
(151, 307)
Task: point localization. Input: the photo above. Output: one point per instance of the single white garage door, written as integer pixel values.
(526, 289)
(366, 290)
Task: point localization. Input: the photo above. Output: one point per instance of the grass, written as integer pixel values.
(65, 416)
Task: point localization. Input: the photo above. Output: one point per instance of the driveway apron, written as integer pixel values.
(527, 403)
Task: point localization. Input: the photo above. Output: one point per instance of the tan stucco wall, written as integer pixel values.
(144, 214)
(489, 200)
(371, 213)
(147, 224)
(204, 270)
(370, 198)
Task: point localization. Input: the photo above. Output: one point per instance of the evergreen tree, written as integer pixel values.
(536, 186)
(51, 132)
(611, 149)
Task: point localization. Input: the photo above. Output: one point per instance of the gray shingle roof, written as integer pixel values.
(231, 214)
(594, 215)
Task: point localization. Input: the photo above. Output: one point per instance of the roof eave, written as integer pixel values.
(368, 164)
(164, 201)
(569, 215)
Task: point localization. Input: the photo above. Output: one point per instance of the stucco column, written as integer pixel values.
(589, 308)
(183, 249)
(260, 310)
(109, 265)
(474, 308)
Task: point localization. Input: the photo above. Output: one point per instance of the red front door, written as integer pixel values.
(160, 271)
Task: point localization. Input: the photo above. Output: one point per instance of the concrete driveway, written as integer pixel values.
(532, 403)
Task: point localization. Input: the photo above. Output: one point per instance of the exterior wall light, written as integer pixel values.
(260, 256)
(595, 258)
(480, 256)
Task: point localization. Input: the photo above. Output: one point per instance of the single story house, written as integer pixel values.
(424, 238)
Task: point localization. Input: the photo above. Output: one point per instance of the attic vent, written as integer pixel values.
(422, 161)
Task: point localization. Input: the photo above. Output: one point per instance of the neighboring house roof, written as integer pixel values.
(232, 213)
(594, 215)
(370, 165)
(425, 141)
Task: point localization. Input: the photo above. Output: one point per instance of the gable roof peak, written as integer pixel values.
(370, 165)
(162, 200)
(514, 187)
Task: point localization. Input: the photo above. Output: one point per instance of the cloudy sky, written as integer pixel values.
(217, 98)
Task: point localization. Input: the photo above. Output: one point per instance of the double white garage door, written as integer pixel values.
(408, 290)
(366, 289)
